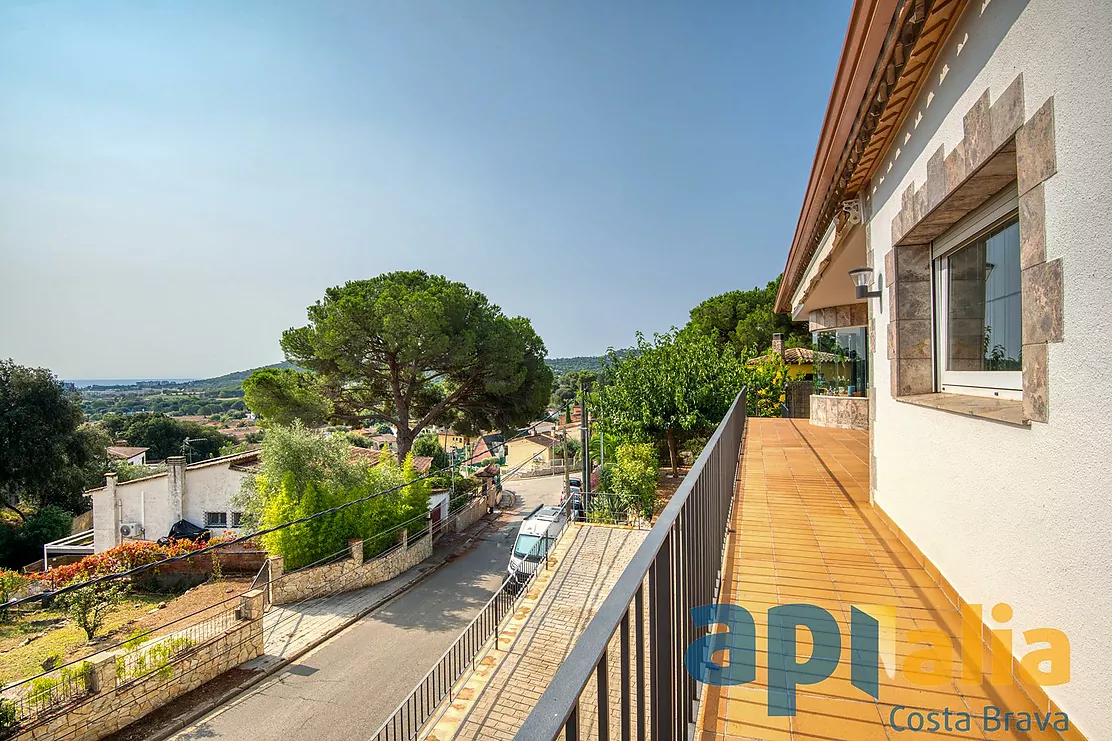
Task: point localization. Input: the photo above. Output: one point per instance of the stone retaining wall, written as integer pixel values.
(111, 706)
(348, 574)
(471, 513)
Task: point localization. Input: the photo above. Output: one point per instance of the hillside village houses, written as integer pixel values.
(964, 165)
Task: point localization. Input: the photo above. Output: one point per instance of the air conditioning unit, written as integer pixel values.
(130, 529)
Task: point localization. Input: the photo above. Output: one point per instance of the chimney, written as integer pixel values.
(121, 443)
(106, 516)
(778, 344)
(175, 487)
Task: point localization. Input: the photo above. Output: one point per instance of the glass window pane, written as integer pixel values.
(983, 320)
(841, 362)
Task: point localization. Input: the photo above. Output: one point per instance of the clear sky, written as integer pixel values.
(179, 179)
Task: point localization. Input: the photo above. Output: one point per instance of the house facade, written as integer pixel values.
(146, 508)
(532, 450)
(451, 440)
(963, 159)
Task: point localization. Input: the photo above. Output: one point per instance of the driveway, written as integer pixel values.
(346, 687)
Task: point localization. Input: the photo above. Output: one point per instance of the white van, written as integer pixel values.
(535, 539)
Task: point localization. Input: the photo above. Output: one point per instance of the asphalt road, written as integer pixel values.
(345, 688)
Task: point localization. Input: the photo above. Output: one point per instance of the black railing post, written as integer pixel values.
(603, 682)
(623, 709)
(661, 657)
(639, 637)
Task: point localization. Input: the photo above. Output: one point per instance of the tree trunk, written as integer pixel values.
(672, 452)
(405, 442)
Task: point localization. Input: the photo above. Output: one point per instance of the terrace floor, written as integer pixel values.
(803, 531)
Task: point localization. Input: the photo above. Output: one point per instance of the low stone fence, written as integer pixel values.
(348, 574)
(120, 687)
(470, 513)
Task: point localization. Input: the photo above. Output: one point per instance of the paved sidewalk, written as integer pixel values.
(289, 630)
(493, 701)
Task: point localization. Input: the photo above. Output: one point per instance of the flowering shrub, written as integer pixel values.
(766, 381)
(121, 558)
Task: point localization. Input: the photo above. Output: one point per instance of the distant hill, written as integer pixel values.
(560, 366)
(234, 379)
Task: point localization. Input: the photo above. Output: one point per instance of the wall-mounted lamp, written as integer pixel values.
(862, 277)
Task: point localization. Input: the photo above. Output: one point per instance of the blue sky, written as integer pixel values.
(181, 178)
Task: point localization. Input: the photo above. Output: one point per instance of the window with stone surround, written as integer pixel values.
(999, 148)
(977, 302)
(216, 519)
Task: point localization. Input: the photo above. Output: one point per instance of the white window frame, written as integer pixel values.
(1002, 384)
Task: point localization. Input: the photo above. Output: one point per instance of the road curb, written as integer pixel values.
(207, 707)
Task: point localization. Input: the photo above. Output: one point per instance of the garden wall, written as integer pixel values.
(471, 513)
(113, 705)
(348, 574)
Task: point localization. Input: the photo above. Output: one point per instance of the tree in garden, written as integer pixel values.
(46, 454)
(568, 386)
(303, 455)
(746, 320)
(428, 446)
(409, 349)
(88, 607)
(377, 521)
(681, 383)
(166, 436)
(634, 477)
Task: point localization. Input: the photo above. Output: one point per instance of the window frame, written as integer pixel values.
(236, 519)
(208, 517)
(990, 216)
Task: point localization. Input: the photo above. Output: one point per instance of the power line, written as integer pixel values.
(266, 531)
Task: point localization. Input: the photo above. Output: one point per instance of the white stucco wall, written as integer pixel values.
(210, 489)
(147, 501)
(1009, 514)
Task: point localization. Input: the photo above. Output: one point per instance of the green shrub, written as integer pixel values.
(89, 606)
(11, 582)
(9, 717)
(635, 476)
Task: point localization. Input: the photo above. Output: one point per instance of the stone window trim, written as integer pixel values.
(839, 317)
(998, 148)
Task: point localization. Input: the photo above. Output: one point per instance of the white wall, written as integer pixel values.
(146, 501)
(1009, 514)
(210, 489)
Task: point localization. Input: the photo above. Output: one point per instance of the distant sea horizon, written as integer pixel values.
(82, 383)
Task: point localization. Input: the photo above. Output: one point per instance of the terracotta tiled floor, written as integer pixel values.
(803, 531)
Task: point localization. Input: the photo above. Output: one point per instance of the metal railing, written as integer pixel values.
(677, 567)
(49, 693)
(158, 654)
(441, 681)
(262, 581)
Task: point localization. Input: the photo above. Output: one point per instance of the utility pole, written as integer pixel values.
(564, 455)
(452, 475)
(585, 439)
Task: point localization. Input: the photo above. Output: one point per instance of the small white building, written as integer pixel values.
(146, 508)
(128, 454)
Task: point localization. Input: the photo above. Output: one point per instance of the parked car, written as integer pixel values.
(576, 508)
(535, 539)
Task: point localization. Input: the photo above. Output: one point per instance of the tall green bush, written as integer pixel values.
(376, 521)
(635, 476)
